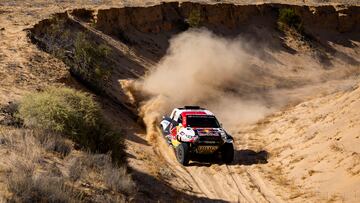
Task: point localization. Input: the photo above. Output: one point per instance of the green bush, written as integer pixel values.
(70, 113)
(288, 17)
(89, 60)
(194, 18)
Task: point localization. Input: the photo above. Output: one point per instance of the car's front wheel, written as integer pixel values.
(227, 153)
(182, 153)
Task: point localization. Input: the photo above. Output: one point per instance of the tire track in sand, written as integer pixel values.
(214, 182)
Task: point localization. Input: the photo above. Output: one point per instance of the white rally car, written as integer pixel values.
(194, 130)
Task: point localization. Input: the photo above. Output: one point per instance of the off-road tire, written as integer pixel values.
(227, 153)
(182, 153)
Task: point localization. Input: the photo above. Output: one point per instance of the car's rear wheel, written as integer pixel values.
(182, 153)
(227, 153)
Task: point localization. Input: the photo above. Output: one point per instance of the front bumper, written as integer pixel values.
(207, 144)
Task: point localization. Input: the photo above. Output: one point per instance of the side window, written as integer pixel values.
(180, 119)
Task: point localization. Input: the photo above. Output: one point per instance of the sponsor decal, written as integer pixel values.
(206, 149)
(207, 132)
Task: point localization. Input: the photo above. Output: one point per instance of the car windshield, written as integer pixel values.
(202, 121)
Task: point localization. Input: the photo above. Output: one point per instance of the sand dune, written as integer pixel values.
(291, 102)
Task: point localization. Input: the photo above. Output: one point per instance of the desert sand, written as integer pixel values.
(291, 104)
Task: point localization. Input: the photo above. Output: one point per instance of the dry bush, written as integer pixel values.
(90, 61)
(76, 169)
(7, 115)
(59, 145)
(34, 176)
(55, 143)
(115, 178)
(289, 17)
(71, 113)
(106, 198)
(24, 146)
(28, 187)
(24, 181)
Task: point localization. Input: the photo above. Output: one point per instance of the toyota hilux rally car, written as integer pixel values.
(194, 130)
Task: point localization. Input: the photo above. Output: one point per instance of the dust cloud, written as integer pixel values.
(201, 68)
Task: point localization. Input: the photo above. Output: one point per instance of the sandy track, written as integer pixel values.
(216, 181)
(232, 183)
(219, 182)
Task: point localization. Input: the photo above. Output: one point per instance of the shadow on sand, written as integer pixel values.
(152, 189)
(241, 157)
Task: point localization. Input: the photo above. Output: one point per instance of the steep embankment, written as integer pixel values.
(315, 144)
(244, 63)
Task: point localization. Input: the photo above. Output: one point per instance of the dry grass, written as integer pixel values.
(59, 145)
(29, 187)
(117, 179)
(43, 165)
(100, 167)
(42, 170)
(24, 180)
(76, 170)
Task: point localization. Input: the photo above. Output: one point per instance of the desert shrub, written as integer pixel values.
(86, 55)
(56, 37)
(27, 187)
(288, 17)
(71, 113)
(194, 18)
(107, 198)
(76, 169)
(118, 180)
(89, 61)
(55, 143)
(115, 178)
(24, 181)
(8, 115)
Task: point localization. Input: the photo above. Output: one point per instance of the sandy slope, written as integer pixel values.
(312, 145)
(316, 145)
(314, 156)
